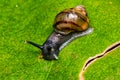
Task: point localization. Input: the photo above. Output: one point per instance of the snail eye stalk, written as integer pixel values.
(34, 44)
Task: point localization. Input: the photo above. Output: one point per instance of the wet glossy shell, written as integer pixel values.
(71, 20)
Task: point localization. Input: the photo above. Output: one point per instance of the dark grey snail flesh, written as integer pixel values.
(76, 35)
(68, 26)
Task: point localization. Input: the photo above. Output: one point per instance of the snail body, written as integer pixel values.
(68, 25)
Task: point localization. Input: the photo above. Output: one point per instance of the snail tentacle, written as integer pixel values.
(34, 44)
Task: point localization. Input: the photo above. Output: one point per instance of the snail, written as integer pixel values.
(68, 25)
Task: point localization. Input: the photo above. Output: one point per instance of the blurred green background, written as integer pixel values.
(22, 20)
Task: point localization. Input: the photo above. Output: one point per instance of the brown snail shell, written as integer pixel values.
(68, 25)
(71, 20)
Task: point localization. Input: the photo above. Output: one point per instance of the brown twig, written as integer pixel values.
(91, 60)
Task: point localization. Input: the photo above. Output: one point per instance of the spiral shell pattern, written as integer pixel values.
(71, 20)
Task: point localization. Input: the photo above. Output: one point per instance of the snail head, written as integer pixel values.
(49, 50)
